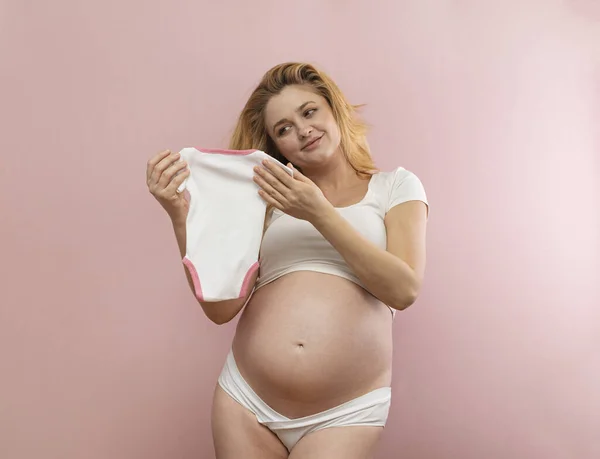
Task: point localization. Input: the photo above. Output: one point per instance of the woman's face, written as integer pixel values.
(301, 124)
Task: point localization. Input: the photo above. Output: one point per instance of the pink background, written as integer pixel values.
(494, 104)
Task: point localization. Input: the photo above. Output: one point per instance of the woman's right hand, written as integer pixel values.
(164, 174)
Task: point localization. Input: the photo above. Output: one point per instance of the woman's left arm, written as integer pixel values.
(394, 275)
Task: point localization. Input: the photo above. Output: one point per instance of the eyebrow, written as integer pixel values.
(299, 109)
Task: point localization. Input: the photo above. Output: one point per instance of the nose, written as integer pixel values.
(305, 131)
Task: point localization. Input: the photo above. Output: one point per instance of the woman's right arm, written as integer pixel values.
(220, 312)
(164, 174)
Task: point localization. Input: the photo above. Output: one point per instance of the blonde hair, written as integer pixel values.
(251, 132)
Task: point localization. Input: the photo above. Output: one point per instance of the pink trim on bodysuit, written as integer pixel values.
(196, 280)
(188, 263)
(246, 284)
(226, 152)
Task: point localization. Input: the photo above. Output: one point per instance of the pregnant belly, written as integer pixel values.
(309, 341)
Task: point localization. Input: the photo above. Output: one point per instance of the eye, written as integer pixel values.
(308, 113)
(282, 130)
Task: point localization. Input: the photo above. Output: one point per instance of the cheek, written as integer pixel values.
(286, 144)
(327, 121)
(334, 131)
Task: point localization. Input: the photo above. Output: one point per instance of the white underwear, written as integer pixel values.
(370, 409)
(225, 222)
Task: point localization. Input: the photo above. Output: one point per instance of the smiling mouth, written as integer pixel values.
(309, 144)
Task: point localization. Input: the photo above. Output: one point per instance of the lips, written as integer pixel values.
(311, 142)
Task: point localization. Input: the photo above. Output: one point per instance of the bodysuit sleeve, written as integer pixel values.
(406, 186)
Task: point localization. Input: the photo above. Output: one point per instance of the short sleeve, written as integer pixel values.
(406, 186)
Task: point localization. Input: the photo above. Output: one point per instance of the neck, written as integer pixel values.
(336, 175)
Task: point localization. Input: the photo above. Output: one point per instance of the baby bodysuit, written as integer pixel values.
(224, 225)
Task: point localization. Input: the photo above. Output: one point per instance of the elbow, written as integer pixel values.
(408, 295)
(220, 320)
(216, 315)
(405, 293)
(404, 300)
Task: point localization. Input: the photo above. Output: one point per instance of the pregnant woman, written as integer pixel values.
(309, 371)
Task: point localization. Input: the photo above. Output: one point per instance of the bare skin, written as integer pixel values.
(307, 350)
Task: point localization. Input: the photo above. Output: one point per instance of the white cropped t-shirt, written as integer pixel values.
(290, 244)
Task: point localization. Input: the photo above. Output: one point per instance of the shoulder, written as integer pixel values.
(396, 175)
(399, 185)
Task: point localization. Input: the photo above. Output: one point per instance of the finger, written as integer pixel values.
(167, 161)
(152, 162)
(298, 175)
(271, 179)
(177, 180)
(269, 200)
(167, 175)
(163, 165)
(269, 189)
(278, 172)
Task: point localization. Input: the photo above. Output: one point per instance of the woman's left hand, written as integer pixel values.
(297, 196)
